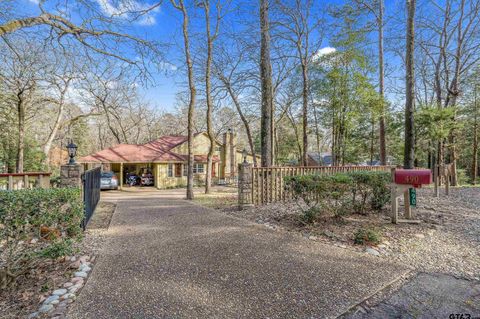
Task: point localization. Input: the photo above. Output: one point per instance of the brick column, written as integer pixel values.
(244, 185)
(71, 175)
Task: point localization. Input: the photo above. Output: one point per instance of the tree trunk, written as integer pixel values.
(409, 155)
(317, 131)
(211, 135)
(305, 110)
(454, 92)
(381, 74)
(242, 117)
(267, 89)
(193, 93)
(475, 141)
(53, 133)
(372, 140)
(297, 137)
(21, 132)
(334, 135)
(58, 120)
(442, 60)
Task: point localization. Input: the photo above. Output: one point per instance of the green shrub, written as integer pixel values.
(310, 215)
(339, 187)
(370, 190)
(463, 178)
(36, 224)
(307, 191)
(367, 236)
(315, 194)
(340, 193)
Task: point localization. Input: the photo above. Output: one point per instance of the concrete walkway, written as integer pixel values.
(169, 258)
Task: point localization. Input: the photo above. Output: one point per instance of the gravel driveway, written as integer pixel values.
(168, 258)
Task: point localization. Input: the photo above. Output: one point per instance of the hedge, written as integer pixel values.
(36, 224)
(339, 194)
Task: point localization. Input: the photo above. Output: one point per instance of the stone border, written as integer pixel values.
(55, 305)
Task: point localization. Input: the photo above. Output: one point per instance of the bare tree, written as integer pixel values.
(208, 89)
(449, 39)
(180, 6)
(100, 31)
(376, 8)
(20, 75)
(299, 24)
(60, 83)
(230, 71)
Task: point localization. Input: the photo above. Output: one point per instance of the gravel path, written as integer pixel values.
(447, 240)
(168, 258)
(452, 244)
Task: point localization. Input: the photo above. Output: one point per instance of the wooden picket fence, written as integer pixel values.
(268, 182)
(15, 181)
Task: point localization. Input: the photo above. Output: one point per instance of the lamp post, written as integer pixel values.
(72, 151)
(244, 154)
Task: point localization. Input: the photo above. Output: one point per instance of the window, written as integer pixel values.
(170, 170)
(198, 168)
(185, 167)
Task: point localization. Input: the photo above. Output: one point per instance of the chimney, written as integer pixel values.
(229, 153)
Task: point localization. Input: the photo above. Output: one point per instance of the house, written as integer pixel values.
(319, 159)
(166, 158)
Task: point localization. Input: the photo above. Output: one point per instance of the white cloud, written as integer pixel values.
(129, 9)
(326, 50)
(147, 20)
(323, 52)
(34, 1)
(166, 66)
(108, 8)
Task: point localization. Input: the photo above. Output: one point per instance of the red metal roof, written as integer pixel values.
(202, 158)
(155, 151)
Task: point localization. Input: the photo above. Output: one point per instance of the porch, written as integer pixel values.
(165, 175)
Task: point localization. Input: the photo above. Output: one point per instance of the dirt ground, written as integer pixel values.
(446, 240)
(23, 299)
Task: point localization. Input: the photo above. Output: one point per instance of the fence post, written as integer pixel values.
(71, 175)
(10, 182)
(393, 196)
(244, 185)
(26, 183)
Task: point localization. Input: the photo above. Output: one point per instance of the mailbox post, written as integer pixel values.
(402, 181)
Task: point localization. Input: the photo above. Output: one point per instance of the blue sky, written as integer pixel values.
(161, 25)
(164, 25)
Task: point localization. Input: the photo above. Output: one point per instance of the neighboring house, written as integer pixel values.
(166, 158)
(325, 159)
(319, 159)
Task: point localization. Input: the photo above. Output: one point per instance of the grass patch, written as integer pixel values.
(102, 216)
(217, 200)
(367, 236)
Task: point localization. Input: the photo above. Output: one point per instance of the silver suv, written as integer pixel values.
(108, 180)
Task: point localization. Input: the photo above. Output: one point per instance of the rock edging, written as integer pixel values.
(56, 304)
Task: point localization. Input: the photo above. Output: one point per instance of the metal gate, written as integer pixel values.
(91, 193)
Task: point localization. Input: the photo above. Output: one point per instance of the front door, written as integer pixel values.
(214, 173)
(178, 170)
